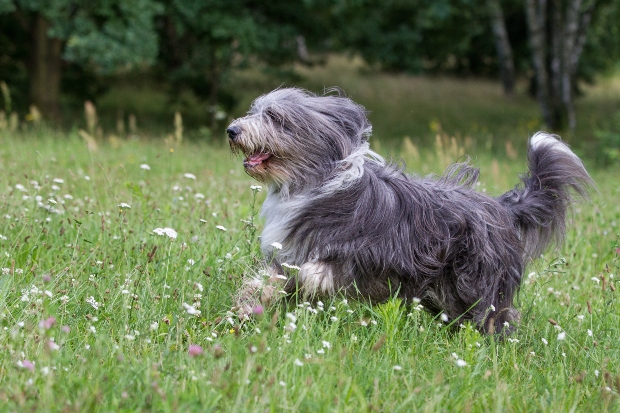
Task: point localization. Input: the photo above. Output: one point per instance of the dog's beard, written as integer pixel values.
(261, 161)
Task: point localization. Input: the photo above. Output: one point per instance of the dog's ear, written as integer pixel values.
(349, 116)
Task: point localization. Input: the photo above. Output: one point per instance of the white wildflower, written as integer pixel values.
(191, 309)
(172, 234)
(91, 300)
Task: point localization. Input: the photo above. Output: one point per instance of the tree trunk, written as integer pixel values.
(44, 68)
(556, 66)
(536, 11)
(557, 33)
(502, 44)
(571, 30)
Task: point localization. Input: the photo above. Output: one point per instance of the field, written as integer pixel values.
(100, 313)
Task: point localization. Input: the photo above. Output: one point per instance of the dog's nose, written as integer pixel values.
(233, 132)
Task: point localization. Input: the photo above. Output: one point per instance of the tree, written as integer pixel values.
(416, 36)
(502, 44)
(560, 41)
(558, 32)
(103, 35)
(202, 42)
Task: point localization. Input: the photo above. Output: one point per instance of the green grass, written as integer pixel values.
(131, 353)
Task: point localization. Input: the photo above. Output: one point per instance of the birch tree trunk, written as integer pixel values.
(536, 11)
(502, 45)
(558, 32)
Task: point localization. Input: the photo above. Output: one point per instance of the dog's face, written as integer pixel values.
(291, 135)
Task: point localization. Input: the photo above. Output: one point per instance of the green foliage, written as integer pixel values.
(110, 34)
(455, 36)
(609, 142)
(98, 38)
(201, 42)
(420, 35)
(602, 50)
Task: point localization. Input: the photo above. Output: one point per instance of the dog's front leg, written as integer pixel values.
(259, 290)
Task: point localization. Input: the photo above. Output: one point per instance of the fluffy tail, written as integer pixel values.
(539, 207)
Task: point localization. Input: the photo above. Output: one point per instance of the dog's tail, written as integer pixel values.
(539, 207)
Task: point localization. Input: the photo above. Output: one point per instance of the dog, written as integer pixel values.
(340, 219)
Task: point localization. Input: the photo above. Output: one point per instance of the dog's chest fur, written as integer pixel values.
(279, 212)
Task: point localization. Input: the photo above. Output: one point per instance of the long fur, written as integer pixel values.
(355, 224)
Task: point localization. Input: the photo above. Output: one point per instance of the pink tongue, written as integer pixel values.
(256, 158)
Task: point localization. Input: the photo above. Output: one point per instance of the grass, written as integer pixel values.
(98, 313)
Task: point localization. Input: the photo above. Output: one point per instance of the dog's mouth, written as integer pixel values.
(255, 159)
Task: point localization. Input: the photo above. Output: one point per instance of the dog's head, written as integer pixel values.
(291, 135)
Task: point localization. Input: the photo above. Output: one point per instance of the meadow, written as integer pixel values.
(119, 257)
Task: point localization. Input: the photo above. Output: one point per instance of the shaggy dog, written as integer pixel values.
(339, 219)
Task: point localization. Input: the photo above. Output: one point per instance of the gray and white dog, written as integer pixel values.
(355, 224)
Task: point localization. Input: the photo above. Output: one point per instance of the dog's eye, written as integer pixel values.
(273, 116)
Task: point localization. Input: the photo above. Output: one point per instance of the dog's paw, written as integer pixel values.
(244, 312)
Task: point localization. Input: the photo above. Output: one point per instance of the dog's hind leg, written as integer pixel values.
(500, 317)
(502, 321)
